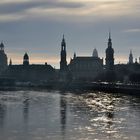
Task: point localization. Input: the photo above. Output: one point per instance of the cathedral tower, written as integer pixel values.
(63, 61)
(109, 55)
(3, 58)
(25, 59)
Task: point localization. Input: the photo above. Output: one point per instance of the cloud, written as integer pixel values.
(19, 6)
(132, 30)
(11, 10)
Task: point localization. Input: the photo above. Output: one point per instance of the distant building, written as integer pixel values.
(25, 59)
(87, 68)
(10, 62)
(136, 62)
(25, 72)
(95, 53)
(130, 57)
(63, 56)
(109, 55)
(3, 58)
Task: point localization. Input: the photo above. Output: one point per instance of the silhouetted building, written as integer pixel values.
(130, 57)
(109, 55)
(95, 53)
(35, 73)
(74, 56)
(25, 59)
(10, 62)
(136, 62)
(3, 58)
(63, 61)
(128, 72)
(88, 68)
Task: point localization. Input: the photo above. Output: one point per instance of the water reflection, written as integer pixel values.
(109, 127)
(2, 114)
(52, 115)
(63, 113)
(110, 113)
(26, 109)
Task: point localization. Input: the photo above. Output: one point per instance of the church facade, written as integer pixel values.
(86, 68)
(92, 67)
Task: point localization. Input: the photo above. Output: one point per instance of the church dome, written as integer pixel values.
(26, 56)
(95, 53)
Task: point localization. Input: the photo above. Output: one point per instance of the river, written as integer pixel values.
(55, 115)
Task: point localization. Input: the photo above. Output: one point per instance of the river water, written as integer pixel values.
(54, 115)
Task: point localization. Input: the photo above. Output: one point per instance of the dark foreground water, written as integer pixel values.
(43, 115)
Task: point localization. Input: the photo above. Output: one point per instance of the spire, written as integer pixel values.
(10, 62)
(63, 40)
(109, 40)
(63, 43)
(63, 37)
(109, 36)
(74, 56)
(109, 54)
(130, 51)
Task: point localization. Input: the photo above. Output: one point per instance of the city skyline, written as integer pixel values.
(37, 27)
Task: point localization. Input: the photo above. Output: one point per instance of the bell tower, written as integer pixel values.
(63, 56)
(109, 55)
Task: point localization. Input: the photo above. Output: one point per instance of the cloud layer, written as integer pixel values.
(23, 9)
(36, 26)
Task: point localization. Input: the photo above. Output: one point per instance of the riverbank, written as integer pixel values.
(78, 86)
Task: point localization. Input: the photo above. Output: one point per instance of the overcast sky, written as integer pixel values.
(37, 27)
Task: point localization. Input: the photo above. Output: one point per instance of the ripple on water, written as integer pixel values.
(52, 115)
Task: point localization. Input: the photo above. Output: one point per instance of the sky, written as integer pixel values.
(37, 27)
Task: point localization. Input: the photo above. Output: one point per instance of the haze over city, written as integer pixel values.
(37, 27)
